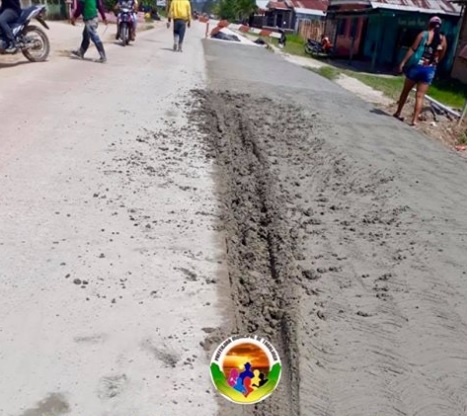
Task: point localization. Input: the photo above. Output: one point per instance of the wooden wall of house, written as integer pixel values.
(459, 70)
(349, 36)
(381, 35)
(308, 28)
(279, 18)
(396, 34)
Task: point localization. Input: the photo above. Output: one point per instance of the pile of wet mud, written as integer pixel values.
(321, 257)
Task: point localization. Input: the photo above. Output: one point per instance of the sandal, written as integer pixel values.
(398, 116)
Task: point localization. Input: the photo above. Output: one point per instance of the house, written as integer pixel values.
(279, 14)
(459, 69)
(288, 14)
(381, 32)
(258, 20)
(309, 17)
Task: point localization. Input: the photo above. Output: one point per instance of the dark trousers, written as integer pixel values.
(7, 17)
(179, 30)
(90, 34)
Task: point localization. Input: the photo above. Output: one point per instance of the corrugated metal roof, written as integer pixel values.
(309, 12)
(421, 6)
(310, 4)
(262, 4)
(278, 5)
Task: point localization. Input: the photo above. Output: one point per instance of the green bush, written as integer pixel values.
(109, 5)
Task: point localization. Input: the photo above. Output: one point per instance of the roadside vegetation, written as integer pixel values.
(449, 92)
(328, 72)
(231, 10)
(294, 45)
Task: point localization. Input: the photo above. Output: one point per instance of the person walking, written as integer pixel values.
(89, 9)
(180, 13)
(10, 10)
(419, 66)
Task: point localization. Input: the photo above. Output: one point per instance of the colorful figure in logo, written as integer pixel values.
(233, 376)
(255, 380)
(239, 386)
(247, 372)
(247, 384)
(241, 382)
(262, 380)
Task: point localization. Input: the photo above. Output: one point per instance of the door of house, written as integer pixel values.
(361, 46)
(279, 19)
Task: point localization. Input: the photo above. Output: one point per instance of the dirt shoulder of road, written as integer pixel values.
(440, 127)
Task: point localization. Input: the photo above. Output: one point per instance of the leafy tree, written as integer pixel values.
(245, 8)
(226, 9)
(109, 5)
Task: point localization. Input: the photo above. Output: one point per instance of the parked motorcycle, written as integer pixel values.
(125, 23)
(316, 49)
(31, 40)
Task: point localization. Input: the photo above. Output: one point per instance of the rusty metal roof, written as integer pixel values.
(421, 6)
(424, 6)
(278, 5)
(321, 5)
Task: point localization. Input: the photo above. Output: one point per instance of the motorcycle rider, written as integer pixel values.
(326, 44)
(10, 11)
(134, 6)
(89, 9)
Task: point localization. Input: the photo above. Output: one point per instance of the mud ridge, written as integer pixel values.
(260, 249)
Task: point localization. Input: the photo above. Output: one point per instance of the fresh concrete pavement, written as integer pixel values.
(409, 356)
(105, 267)
(108, 246)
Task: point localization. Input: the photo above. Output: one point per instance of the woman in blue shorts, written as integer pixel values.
(419, 66)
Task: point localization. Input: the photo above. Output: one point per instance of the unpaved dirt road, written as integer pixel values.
(141, 222)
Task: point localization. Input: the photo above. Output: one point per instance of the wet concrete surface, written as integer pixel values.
(368, 217)
(142, 222)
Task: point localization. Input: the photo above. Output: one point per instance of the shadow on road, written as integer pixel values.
(13, 64)
(379, 112)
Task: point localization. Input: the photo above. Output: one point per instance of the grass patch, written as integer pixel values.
(449, 92)
(389, 86)
(462, 139)
(294, 45)
(328, 72)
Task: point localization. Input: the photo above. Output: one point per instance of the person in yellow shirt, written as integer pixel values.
(180, 13)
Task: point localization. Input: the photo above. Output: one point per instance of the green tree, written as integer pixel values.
(245, 8)
(226, 9)
(109, 5)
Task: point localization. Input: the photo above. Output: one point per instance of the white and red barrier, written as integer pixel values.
(222, 24)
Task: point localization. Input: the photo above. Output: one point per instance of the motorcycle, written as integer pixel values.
(125, 23)
(316, 49)
(31, 40)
